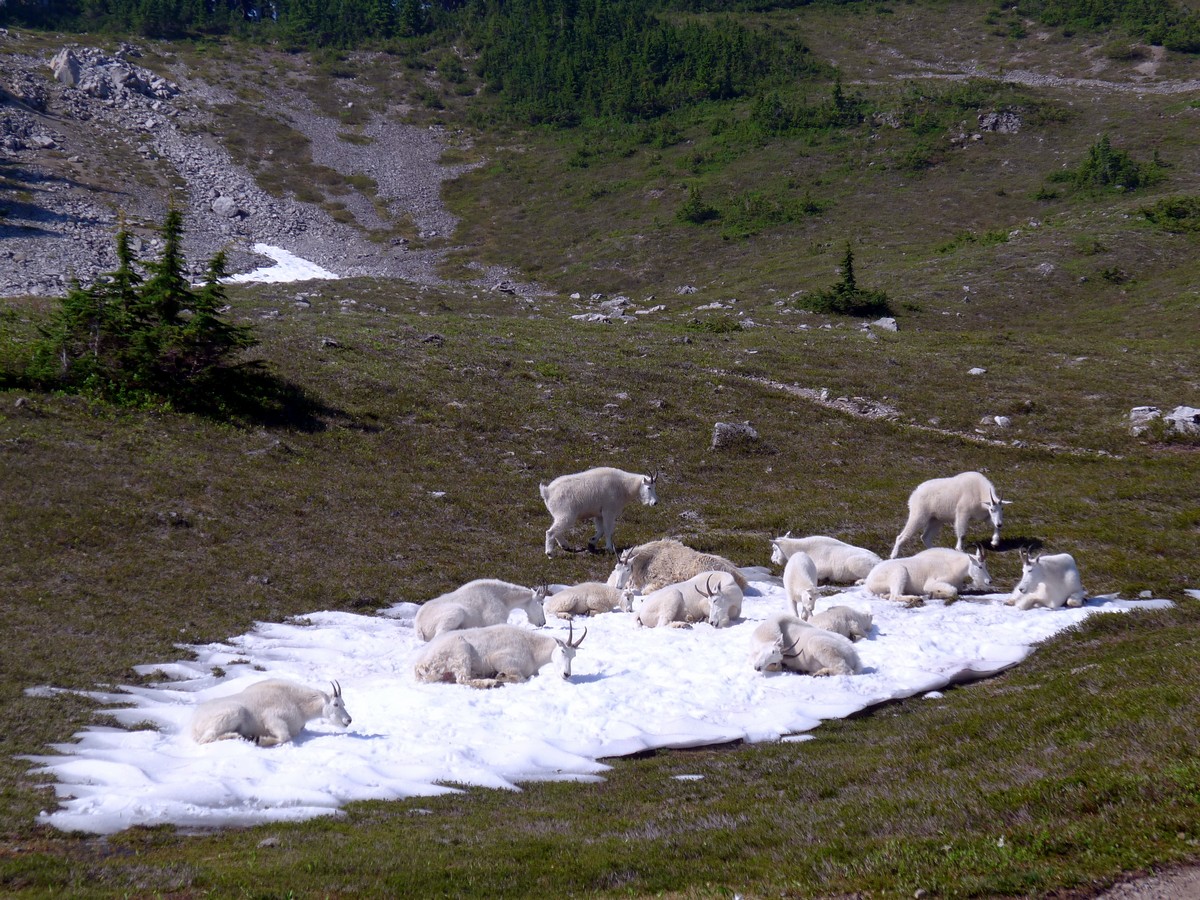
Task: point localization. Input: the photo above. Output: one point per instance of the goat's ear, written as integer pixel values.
(788, 533)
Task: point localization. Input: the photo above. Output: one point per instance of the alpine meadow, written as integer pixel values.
(784, 260)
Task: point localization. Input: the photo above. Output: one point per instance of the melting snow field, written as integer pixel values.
(631, 689)
(288, 267)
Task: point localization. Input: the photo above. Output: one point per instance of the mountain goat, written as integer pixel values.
(1048, 580)
(800, 583)
(938, 572)
(484, 601)
(598, 494)
(961, 500)
(495, 655)
(267, 713)
(837, 562)
(705, 598)
(783, 641)
(657, 564)
(587, 599)
(844, 620)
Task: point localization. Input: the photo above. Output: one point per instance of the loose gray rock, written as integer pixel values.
(726, 434)
(887, 323)
(1183, 420)
(227, 207)
(1140, 418)
(1000, 122)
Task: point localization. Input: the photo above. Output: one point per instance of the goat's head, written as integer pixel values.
(334, 710)
(648, 492)
(718, 603)
(625, 604)
(995, 510)
(622, 570)
(565, 651)
(977, 570)
(534, 609)
(778, 557)
(1030, 573)
(769, 657)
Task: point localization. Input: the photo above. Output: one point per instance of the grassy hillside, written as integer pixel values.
(125, 533)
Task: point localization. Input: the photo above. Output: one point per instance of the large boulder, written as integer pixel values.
(1183, 420)
(65, 66)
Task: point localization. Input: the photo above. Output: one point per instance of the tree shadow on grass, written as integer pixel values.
(251, 395)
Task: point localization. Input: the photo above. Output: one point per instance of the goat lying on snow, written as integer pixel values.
(787, 642)
(843, 620)
(588, 599)
(837, 562)
(1048, 580)
(712, 597)
(484, 601)
(939, 572)
(599, 494)
(962, 499)
(495, 655)
(657, 564)
(267, 713)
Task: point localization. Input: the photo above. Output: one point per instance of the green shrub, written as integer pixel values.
(140, 342)
(846, 298)
(694, 210)
(1177, 214)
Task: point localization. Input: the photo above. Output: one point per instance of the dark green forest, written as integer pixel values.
(564, 61)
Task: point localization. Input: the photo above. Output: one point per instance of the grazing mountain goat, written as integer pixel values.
(659, 563)
(800, 583)
(711, 597)
(495, 655)
(588, 599)
(598, 494)
(837, 562)
(484, 601)
(962, 499)
(939, 572)
(267, 713)
(843, 620)
(786, 642)
(1048, 580)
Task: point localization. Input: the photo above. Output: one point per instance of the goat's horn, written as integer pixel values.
(575, 644)
(788, 652)
(337, 689)
(708, 586)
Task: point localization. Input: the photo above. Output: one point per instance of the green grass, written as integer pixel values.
(123, 534)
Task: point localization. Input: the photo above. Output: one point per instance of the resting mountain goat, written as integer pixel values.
(495, 655)
(837, 562)
(843, 620)
(960, 500)
(587, 599)
(800, 583)
(712, 597)
(939, 572)
(484, 601)
(786, 642)
(267, 713)
(1048, 580)
(657, 564)
(598, 494)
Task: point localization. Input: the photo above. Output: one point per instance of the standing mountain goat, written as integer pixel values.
(712, 597)
(1048, 580)
(588, 599)
(654, 565)
(267, 713)
(786, 642)
(837, 562)
(960, 500)
(598, 494)
(939, 572)
(484, 601)
(844, 620)
(800, 583)
(495, 655)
